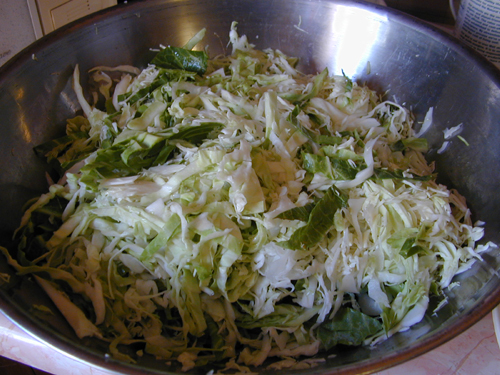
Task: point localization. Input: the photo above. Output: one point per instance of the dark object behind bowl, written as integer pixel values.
(412, 62)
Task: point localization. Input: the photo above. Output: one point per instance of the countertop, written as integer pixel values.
(476, 351)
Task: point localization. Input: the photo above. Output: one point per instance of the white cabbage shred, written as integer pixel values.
(194, 250)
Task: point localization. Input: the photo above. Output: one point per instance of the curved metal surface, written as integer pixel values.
(393, 53)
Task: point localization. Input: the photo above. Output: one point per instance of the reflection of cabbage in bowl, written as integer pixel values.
(413, 62)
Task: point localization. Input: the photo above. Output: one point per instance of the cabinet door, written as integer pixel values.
(53, 14)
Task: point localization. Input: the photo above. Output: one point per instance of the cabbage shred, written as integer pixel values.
(234, 209)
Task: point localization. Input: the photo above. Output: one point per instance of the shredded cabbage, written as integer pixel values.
(234, 209)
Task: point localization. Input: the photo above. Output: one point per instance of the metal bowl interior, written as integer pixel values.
(412, 62)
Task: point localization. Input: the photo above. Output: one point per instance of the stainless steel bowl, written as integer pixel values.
(412, 62)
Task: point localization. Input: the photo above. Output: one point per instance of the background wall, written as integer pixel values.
(16, 29)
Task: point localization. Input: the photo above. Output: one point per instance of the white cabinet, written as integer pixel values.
(48, 15)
